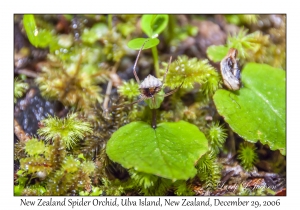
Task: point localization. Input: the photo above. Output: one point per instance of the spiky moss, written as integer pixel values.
(129, 89)
(71, 82)
(183, 188)
(191, 71)
(19, 89)
(149, 184)
(247, 155)
(114, 46)
(209, 170)
(69, 130)
(217, 136)
(49, 165)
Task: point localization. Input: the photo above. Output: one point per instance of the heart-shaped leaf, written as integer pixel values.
(257, 110)
(153, 25)
(170, 151)
(137, 43)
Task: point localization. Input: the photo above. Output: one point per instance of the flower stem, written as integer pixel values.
(155, 60)
(154, 118)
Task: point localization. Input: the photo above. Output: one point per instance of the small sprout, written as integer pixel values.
(217, 136)
(129, 89)
(19, 89)
(247, 155)
(69, 129)
(153, 25)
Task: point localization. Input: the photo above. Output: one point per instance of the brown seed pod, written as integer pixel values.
(230, 70)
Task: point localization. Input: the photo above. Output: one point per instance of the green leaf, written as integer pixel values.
(153, 25)
(257, 110)
(170, 151)
(137, 43)
(18, 190)
(216, 53)
(37, 37)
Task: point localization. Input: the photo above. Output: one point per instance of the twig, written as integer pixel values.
(109, 87)
(27, 72)
(20, 133)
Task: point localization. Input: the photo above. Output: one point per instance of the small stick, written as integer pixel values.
(167, 69)
(136, 60)
(109, 87)
(28, 73)
(20, 133)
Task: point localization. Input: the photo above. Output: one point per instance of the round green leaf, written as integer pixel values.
(137, 43)
(216, 53)
(171, 150)
(153, 25)
(257, 110)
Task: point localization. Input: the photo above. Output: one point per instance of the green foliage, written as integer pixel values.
(96, 191)
(193, 71)
(19, 89)
(209, 170)
(137, 43)
(257, 111)
(153, 25)
(260, 191)
(247, 155)
(182, 189)
(217, 136)
(149, 184)
(217, 53)
(57, 173)
(168, 151)
(38, 37)
(242, 19)
(246, 44)
(34, 147)
(129, 89)
(114, 46)
(69, 130)
(73, 161)
(70, 83)
(155, 102)
(90, 36)
(112, 188)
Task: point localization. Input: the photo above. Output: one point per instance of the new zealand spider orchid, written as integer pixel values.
(150, 89)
